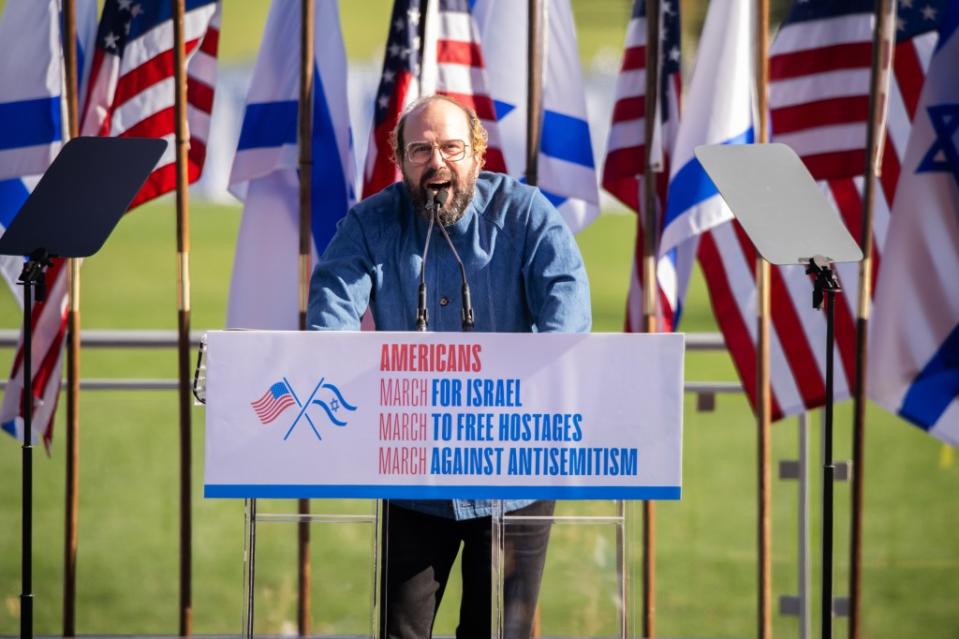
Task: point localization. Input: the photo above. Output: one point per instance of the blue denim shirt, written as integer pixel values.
(524, 269)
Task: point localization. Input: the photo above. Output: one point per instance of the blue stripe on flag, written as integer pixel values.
(554, 199)
(330, 199)
(502, 109)
(936, 385)
(268, 124)
(566, 138)
(9, 427)
(13, 193)
(692, 186)
(30, 122)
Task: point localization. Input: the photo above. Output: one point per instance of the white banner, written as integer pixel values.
(444, 415)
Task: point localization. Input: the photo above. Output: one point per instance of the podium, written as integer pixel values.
(493, 420)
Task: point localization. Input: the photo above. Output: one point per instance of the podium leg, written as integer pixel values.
(249, 566)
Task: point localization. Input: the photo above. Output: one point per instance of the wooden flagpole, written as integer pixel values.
(650, 284)
(306, 170)
(763, 390)
(534, 125)
(70, 539)
(183, 319)
(882, 52)
(534, 90)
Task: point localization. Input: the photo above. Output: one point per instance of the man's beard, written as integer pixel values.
(460, 194)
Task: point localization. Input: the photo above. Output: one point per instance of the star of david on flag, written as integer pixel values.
(914, 339)
(942, 155)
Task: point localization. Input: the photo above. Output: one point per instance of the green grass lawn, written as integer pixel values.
(706, 557)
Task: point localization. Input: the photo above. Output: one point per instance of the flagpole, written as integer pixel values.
(183, 319)
(882, 53)
(650, 283)
(534, 131)
(306, 170)
(763, 390)
(534, 90)
(70, 538)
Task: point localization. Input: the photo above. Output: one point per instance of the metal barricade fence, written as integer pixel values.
(159, 339)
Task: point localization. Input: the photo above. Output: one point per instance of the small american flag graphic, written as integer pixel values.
(274, 401)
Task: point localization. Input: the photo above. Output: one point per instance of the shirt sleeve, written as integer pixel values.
(341, 282)
(554, 275)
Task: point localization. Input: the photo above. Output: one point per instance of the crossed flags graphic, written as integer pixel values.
(281, 396)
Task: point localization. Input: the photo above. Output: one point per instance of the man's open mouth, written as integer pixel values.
(438, 185)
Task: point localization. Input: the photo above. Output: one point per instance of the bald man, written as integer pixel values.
(525, 273)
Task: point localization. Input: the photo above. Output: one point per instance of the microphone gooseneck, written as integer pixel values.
(440, 200)
(422, 317)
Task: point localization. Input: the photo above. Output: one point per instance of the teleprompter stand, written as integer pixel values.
(786, 217)
(70, 213)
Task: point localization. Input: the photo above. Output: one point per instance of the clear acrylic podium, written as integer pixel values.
(590, 422)
(591, 584)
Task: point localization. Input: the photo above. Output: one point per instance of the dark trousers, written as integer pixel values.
(420, 550)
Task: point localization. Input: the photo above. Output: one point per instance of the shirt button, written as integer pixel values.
(444, 301)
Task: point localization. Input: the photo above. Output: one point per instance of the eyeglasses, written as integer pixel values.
(421, 152)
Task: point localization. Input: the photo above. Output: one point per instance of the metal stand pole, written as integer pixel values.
(804, 608)
(26, 545)
(249, 568)
(498, 541)
(33, 275)
(826, 285)
(829, 471)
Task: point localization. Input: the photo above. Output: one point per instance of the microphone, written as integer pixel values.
(439, 201)
(422, 319)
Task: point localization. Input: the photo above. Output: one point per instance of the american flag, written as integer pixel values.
(454, 66)
(399, 86)
(433, 47)
(624, 168)
(49, 330)
(818, 96)
(274, 401)
(132, 87)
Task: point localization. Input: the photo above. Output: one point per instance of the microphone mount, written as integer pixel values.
(439, 200)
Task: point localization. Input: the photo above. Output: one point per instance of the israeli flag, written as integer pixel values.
(32, 106)
(720, 111)
(567, 170)
(264, 288)
(914, 338)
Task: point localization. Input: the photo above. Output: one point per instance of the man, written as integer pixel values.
(526, 274)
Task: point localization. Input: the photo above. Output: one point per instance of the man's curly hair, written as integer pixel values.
(478, 134)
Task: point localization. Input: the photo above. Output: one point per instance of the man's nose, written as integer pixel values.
(436, 158)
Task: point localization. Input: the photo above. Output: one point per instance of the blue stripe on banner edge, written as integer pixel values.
(368, 491)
